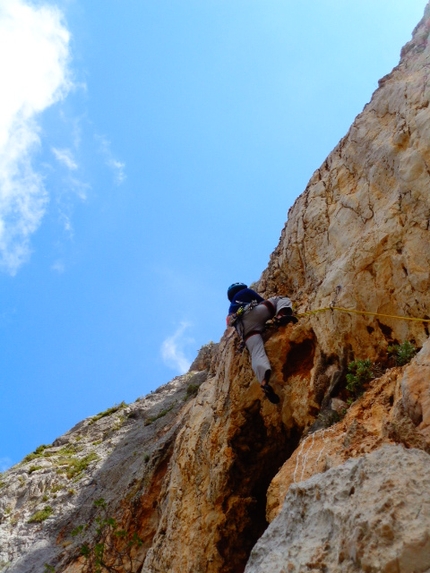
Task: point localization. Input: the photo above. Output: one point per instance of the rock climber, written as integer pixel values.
(248, 314)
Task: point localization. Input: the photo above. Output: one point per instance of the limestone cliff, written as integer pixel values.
(187, 479)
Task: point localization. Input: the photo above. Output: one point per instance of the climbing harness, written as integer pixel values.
(243, 309)
(236, 321)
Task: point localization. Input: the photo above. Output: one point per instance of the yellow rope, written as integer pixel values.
(353, 311)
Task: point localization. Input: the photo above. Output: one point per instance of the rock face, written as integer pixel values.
(109, 466)
(188, 479)
(360, 516)
(386, 413)
(358, 235)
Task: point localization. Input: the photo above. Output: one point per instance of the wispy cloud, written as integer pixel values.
(34, 76)
(65, 157)
(117, 167)
(172, 349)
(58, 267)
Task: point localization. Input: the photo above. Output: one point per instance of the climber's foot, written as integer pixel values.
(283, 320)
(270, 394)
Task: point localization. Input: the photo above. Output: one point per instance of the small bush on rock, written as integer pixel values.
(41, 515)
(402, 353)
(359, 373)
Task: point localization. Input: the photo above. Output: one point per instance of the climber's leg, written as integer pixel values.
(259, 361)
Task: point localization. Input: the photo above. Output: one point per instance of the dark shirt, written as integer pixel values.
(243, 297)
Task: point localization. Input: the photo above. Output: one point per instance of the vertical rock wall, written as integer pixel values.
(359, 234)
(359, 237)
(228, 451)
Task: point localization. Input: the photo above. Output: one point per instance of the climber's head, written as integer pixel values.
(234, 289)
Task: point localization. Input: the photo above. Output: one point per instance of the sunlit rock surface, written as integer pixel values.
(369, 514)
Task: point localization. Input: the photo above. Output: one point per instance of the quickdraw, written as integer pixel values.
(246, 307)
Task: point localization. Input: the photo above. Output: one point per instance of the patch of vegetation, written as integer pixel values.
(118, 423)
(192, 390)
(77, 530)
(402, 353)
(57, 487)
(38, 452)
(74, 467)
(41, 515)
(49, 568)
(107, 554)
(359, 373)
(34, 469)
(108, 412)
(70, 450)
(161, 414)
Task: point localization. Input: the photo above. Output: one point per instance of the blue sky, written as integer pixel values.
(149, 154)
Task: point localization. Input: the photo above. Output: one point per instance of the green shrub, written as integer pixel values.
(34, 469)
(106, 530)
(38, 452)
(359, 373)
(73, 467)
(57, 487)
(107, 412)
(402, 353)
(161, 414)
(70, 449)
(192, 390)
(41, 515)
(77, 530)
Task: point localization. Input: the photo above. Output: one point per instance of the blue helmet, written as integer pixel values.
(234, 289)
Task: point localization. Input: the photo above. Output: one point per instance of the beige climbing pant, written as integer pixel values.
(253, 323)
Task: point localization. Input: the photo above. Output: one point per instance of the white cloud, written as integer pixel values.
(34, 54)
(172, 349)
(65, 156)
(118, 167)
(80, 188)
(58, 267)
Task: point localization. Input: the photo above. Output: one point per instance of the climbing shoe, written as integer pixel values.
(270, 394)
(285, 316)
(283, 320)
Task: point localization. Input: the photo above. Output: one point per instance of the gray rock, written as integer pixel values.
(371, 514)
(111, 455)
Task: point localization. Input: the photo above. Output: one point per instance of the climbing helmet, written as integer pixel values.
(234, 289)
